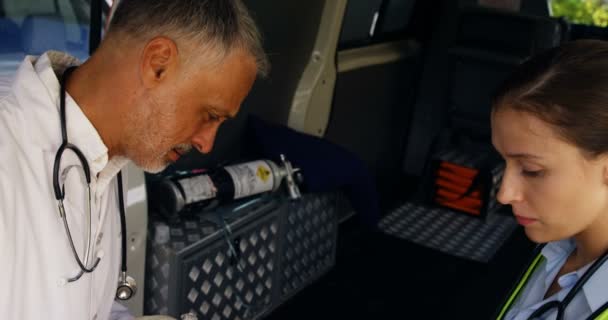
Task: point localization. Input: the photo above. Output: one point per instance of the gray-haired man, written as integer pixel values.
(166, 76)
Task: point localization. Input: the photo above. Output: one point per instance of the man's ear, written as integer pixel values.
(159, 59)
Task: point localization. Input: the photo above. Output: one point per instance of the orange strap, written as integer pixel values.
(459, 170)
(454, 178)
(447, 185)
(445, 195)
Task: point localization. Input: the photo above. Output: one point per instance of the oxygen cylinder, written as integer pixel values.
(197, 191)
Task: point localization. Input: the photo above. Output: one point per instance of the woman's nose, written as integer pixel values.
(510, 189)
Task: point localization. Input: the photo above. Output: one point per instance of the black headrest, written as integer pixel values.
(489, 43)
(509, 33)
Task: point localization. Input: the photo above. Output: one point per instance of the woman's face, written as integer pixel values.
(555, 192)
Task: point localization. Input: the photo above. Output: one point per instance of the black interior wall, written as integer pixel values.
(289, 29)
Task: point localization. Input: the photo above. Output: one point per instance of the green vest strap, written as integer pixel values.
(600, 314)
(522, 282)
(603, 315)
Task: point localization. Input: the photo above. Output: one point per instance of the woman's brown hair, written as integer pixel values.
(567, 87)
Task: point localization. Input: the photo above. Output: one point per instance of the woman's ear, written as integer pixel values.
(604, 163)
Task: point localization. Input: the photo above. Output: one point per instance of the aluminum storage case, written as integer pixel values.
(239, 261)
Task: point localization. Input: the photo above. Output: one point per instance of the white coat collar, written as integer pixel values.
(595, 289)
(41, 72)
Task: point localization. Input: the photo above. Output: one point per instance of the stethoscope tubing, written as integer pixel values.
(59, 191)
(578, 286)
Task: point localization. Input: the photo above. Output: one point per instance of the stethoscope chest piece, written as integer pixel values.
(126, 287)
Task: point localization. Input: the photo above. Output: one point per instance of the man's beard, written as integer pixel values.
(161, 162)
(144, 142)
(151, 165)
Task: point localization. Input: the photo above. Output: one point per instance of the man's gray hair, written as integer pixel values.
(223, 25)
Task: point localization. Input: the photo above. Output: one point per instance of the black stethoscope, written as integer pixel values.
(126, 285)
(578, 286)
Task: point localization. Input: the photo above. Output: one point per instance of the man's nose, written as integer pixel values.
(203, 140)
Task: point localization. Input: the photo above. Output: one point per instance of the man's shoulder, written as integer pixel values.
(26, 122)
(8, 112)
(11, 120)
(26, 107)
(20, 137)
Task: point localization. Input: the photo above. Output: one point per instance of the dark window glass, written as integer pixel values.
(31, 27)
(359, 22)
(395, 16)
(369, 21)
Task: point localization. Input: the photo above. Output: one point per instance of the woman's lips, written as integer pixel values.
(524, 221)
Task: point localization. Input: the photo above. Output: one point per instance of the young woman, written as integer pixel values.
(550, 124)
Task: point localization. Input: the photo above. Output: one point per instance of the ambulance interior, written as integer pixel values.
(369, 99)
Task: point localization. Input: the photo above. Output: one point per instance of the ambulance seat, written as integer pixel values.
(456, 99)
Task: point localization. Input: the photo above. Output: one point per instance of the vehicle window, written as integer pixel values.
(371, 21)
(31, 27)
(512, 5)
(360, 22)
(395, 17)
(587, 12)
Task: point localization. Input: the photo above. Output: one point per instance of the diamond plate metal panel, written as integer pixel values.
(194, 269)
(157, 280)
(220, 285)
(277, 248)
(159, 258)
(449, 231)
(309, 241)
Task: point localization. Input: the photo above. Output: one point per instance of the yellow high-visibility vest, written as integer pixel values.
(601, 314)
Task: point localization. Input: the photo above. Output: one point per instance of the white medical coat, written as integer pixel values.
(35, 255)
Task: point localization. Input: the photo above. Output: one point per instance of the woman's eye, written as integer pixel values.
(532, 173)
